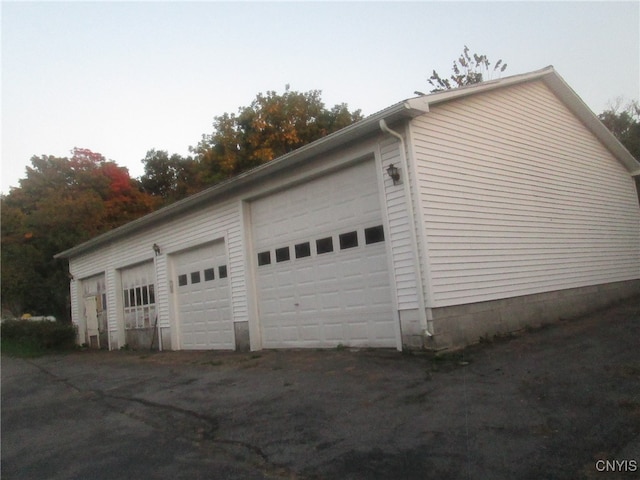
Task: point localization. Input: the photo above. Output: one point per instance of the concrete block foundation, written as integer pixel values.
(460, 325)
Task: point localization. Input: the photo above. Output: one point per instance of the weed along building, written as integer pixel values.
(429, 224)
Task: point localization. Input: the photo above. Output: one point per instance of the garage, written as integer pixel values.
(322, 271)
(202, 298)
(400, 230)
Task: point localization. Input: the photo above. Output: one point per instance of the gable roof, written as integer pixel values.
(406, 109)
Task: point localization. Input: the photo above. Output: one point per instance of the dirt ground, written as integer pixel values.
(561, 402)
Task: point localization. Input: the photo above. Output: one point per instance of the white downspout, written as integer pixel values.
(422, 307)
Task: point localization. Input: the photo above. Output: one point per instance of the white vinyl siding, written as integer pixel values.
(404, 270)
(519, 198)
(162, 291)
(114, 307)
(75, 308)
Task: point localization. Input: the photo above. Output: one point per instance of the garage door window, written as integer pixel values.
(222, 271)
(348, 240)
(264, 258)
(303, 250)
(139, 306)
(324, 245)
(282, 254)
(374, 234)
(209, 274)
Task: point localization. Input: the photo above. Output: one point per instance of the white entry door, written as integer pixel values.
(322, 275)
(202, 294)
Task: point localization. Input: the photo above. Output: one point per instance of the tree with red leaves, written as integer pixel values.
(60, 203)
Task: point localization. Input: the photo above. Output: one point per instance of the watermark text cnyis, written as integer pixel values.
(617, 466)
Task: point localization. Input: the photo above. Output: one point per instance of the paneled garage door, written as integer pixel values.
(202, 294)
(322, 275)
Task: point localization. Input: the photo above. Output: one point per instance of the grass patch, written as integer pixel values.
(13, 348)
(27, 339)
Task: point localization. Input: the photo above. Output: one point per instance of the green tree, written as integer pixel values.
(169, 177)
(18, 257)
(60, 203)
(467, 70)
(624, 123)
(272, 125)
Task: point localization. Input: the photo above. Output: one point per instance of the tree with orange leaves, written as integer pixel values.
(273, 125)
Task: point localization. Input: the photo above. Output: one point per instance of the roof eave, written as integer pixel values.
(461, 92)
(407, 109)
(403, 110)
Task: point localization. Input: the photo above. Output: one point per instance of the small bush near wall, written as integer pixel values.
(26, 338)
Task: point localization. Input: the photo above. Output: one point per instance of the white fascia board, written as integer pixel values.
(461, 92)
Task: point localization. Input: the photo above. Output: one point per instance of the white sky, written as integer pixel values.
(123, 78)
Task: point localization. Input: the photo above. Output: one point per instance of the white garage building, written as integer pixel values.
(512, 205)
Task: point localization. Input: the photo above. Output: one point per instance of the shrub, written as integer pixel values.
(40, 335)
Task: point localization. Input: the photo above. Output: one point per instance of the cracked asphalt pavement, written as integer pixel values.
(560, 402)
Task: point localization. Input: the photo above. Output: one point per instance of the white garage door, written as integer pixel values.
(202, 293)
(322, 275)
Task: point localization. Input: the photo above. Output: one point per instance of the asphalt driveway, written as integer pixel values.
(562, 402)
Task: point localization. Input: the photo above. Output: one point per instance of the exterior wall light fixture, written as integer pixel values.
(394, 173)
(156, 249)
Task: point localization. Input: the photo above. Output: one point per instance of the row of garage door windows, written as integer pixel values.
(139, 302)
(209, 275)
(137, 297)
(323, 245)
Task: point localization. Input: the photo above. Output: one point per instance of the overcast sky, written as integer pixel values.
(123, 78)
